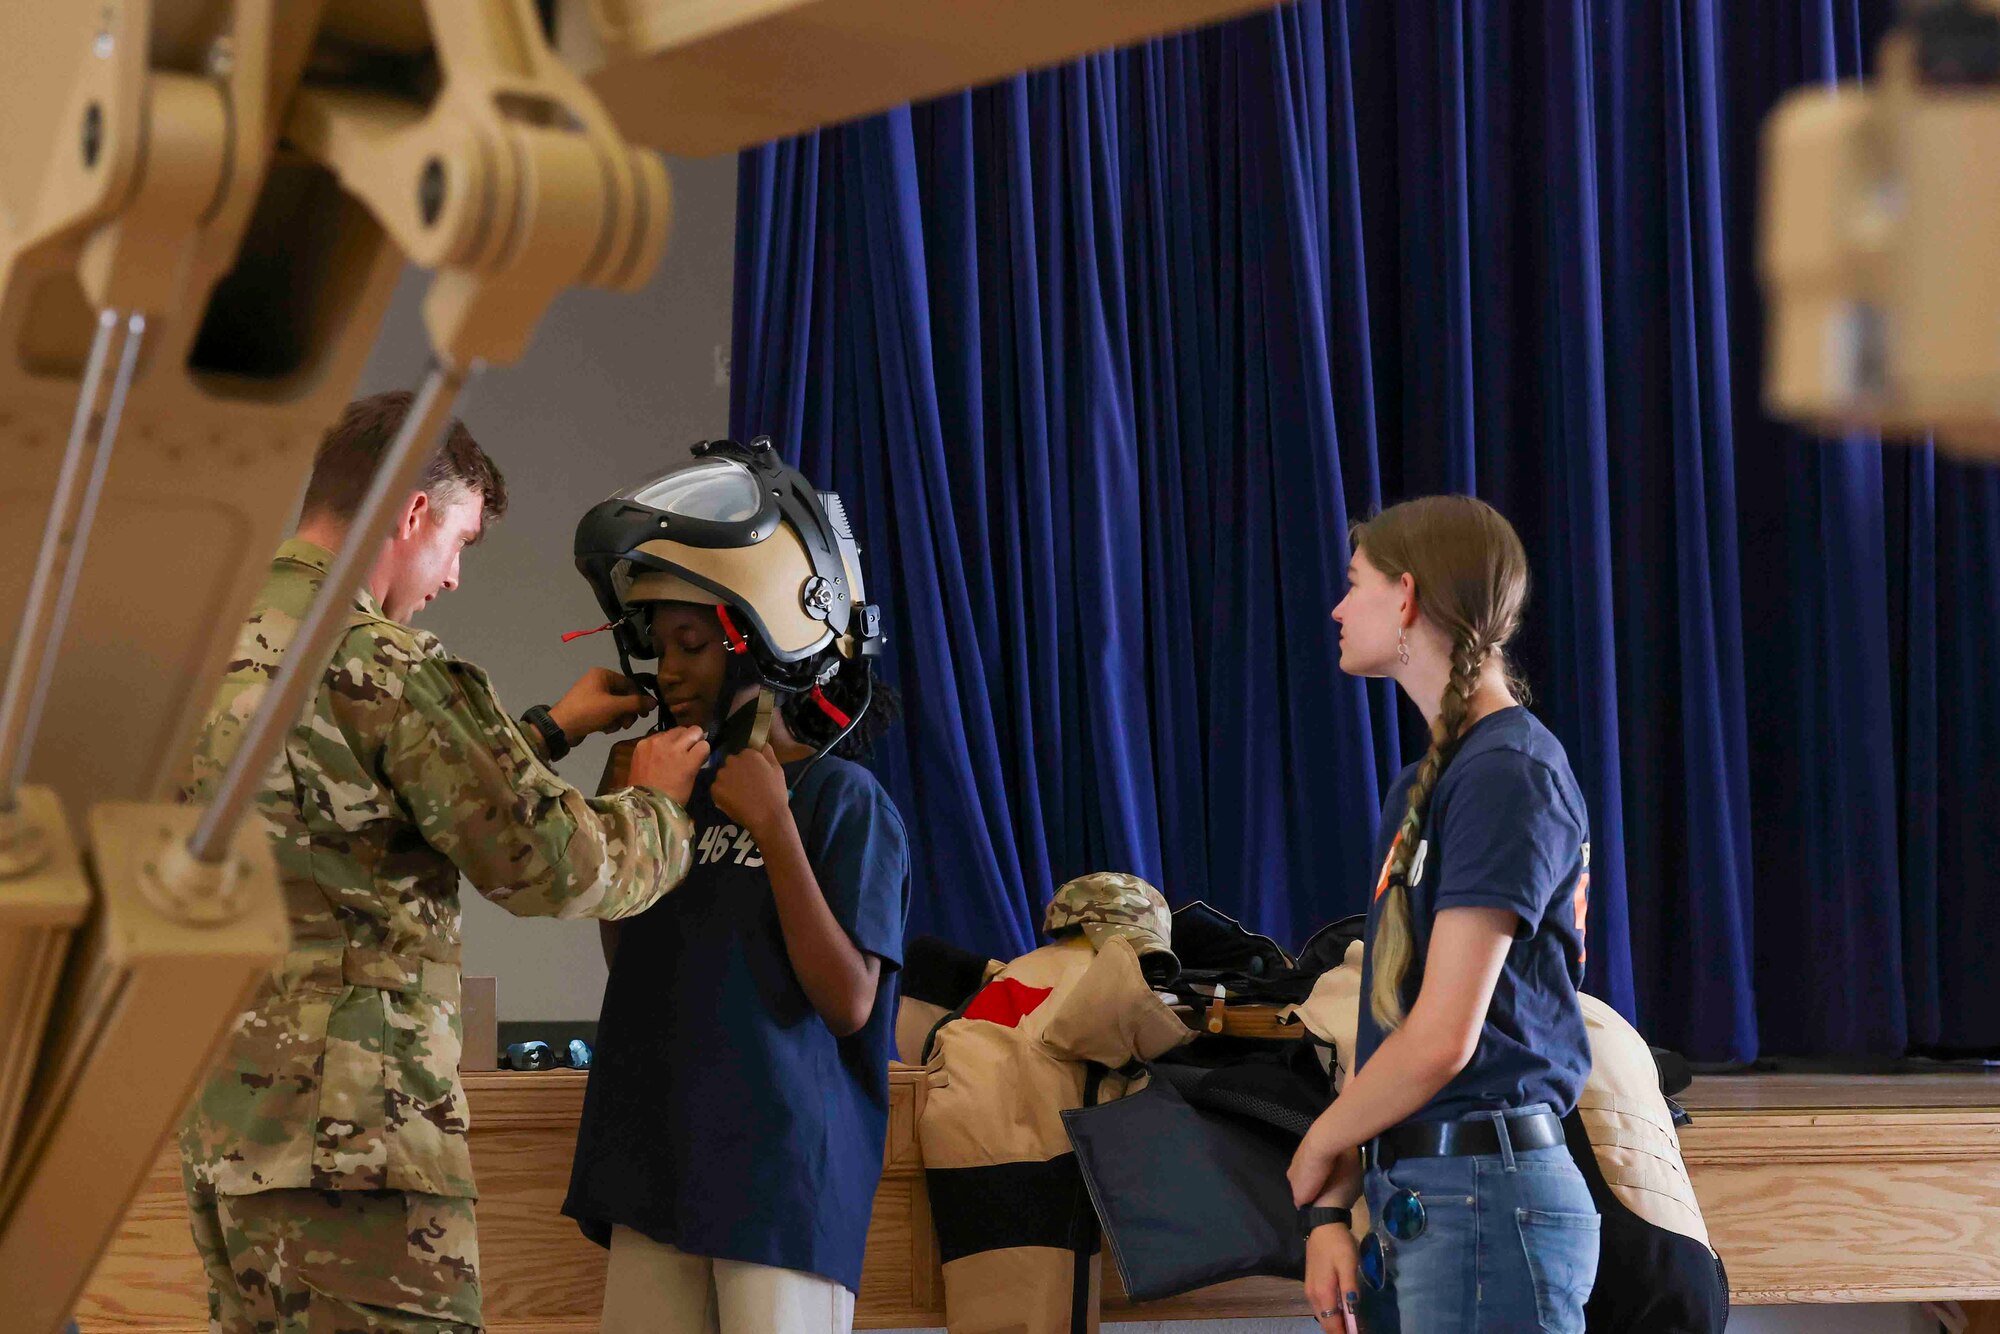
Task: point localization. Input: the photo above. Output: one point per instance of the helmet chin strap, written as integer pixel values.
(766, 706)
(761, 710)
(738, 646)
(767, 698)
(663, 717)
(767, 709)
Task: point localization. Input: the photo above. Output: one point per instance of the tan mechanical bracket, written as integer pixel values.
(1879, 218)
(141, 1014)
(170, 192)
(514, 183)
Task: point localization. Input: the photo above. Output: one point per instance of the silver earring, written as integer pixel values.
(1402, 646)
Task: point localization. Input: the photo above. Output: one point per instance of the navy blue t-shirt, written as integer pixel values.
(723, 1117)
(1506, 828)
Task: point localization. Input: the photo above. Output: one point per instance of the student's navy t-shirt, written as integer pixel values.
(1506, 828)
(722, 1116)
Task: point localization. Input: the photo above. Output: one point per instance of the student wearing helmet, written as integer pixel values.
(732, 1133)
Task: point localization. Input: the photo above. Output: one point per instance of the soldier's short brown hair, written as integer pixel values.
(350, 450)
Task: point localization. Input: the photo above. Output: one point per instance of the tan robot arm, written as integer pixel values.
(204, 207)
(510, 183)
(1878, 236)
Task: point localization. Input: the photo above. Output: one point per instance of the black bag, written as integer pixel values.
(1214, 948)
(1211, 940)
(1276, 1082)
(1187, 1196)
(1188, 1179)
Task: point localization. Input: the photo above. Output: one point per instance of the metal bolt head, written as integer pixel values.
(818, 598)
(104, 43)
(221, 58)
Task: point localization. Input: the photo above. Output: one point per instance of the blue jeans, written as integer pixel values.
(1509, 1244)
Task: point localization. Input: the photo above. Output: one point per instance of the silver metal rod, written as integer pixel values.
(298, 678)
(32, 641)
(79, 544)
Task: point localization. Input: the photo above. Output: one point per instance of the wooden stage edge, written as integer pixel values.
(1816, 1189)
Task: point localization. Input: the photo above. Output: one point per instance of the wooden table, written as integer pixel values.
(1817, 1189)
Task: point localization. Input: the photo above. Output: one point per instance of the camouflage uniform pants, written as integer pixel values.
(337, 1262)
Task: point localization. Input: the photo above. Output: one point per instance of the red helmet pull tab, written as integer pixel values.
(737, 643)
(830, 709)
(579, 634)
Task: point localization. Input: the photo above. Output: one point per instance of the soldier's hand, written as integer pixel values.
(751, 790)
(600, 701)
(669, 761)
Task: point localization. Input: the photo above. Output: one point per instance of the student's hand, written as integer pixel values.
(1323, 1168)
(668, 762)
(600, 701)
(1333, 1271)
(751, 790)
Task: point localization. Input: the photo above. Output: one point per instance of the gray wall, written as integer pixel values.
(612, 387)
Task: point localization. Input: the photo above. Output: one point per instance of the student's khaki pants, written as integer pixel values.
(655, 1289)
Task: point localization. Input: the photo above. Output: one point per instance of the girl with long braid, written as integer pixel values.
(1470, 1046)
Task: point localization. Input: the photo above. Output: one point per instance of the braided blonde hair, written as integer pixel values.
(1471, 576)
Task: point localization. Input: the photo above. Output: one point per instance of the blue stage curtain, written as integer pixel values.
(1105, 359)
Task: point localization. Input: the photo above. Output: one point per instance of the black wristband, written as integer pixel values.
(553, 738)
(1319, 1215)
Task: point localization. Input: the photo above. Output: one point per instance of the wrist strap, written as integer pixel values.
(1315, 1216)
(551, 734)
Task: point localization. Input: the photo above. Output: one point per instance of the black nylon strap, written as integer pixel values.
(552, 735)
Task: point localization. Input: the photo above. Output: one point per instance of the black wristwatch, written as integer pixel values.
(552, 734)
(1319, 1215)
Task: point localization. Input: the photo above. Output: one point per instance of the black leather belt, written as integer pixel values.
(1455, 1139)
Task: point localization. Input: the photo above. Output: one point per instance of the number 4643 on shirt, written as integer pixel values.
(720, 840)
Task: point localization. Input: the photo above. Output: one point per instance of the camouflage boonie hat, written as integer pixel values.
(1111, 903)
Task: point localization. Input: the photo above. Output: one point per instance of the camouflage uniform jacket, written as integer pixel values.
(403, 774)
